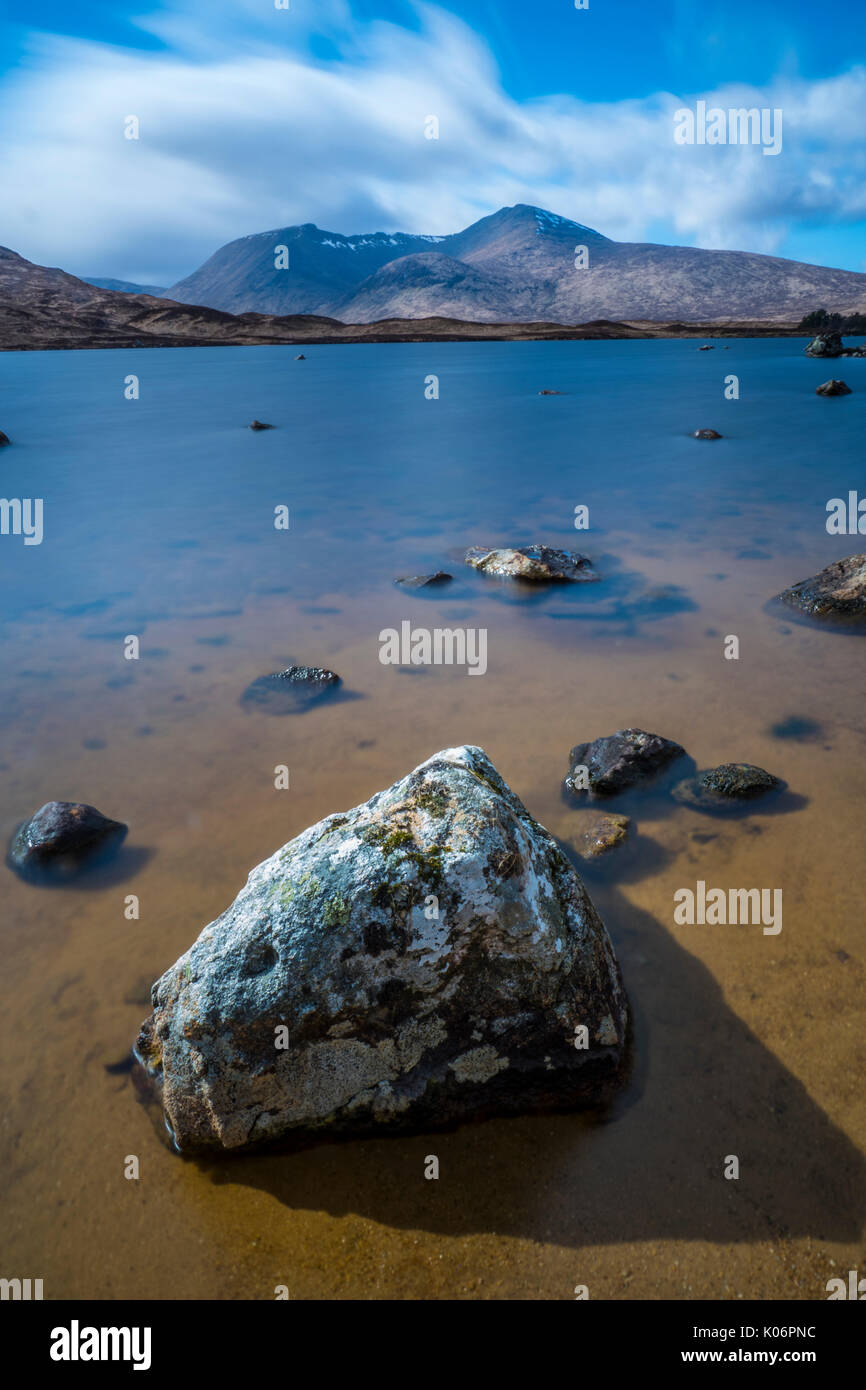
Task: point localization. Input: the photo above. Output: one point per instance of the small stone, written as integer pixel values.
(4, 439)
(300, 357)
(424, 581)
(618, 761)
(536, 563)
(706, 434)
(260, 425)
(295, 688)
(551, 393)
(837, 591)
(833, 387)
(723, 788)
(707, 347)
(599, 832)
(62, 838)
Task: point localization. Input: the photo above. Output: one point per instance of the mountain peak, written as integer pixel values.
(516, 264)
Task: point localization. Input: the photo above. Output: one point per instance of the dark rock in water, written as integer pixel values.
(297, 687)
(551, 393)
(300, 357)
(837, 591)
(430, 954)
(63, 837)
(4, 439)
(537, 563)
(424, 581)
(707, 347)
(706, 434)
(830, 345)
(259, 425)
(825, 345)
(618, 761)
(599, 833)
(833, 387)
(724, 787)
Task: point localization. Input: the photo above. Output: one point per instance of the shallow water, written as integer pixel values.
(159, 523)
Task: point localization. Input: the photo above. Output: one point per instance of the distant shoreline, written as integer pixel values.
(263, 330)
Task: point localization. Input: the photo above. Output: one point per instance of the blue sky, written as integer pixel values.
(254, 118)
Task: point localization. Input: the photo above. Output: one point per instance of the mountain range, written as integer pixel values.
(518, 265)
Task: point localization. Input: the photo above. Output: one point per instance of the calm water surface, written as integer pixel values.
(159, 522)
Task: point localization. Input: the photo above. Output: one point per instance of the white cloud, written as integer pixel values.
(243, 130)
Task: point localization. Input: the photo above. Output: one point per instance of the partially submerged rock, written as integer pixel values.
(707, 347)
(599, 832)
(260, 425)
(62, 838)
(295, 688)
(548, 392)
(833, 387)
(706, 434)
(830, 345)
(837, 591)
(4, 439)
(825, 345)
(537, 563)
(611, 764)
(424, 581)
(300, 357)
(726, 787)
(432, 955)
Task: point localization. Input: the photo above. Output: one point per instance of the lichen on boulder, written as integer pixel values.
(428, 957)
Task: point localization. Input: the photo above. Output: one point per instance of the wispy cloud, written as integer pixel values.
(245, 125)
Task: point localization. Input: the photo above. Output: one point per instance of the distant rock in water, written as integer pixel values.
(259, 425)
(706, 434)
(707, 347)
(551, 393)
(599, 833)
(611, 764)
(837, 591)
(300, 357)
(295, 688)
(726, 787)
(4, 439)
(830, 345)
(537, 563)
(62, 838)
(825, 345)
(430, 954)
(833, 388)
(424, 581)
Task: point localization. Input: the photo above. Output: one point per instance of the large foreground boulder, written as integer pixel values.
(839, 591)
(428, 957)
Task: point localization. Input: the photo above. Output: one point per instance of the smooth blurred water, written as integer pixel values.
(167, 502)
(158, 522)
